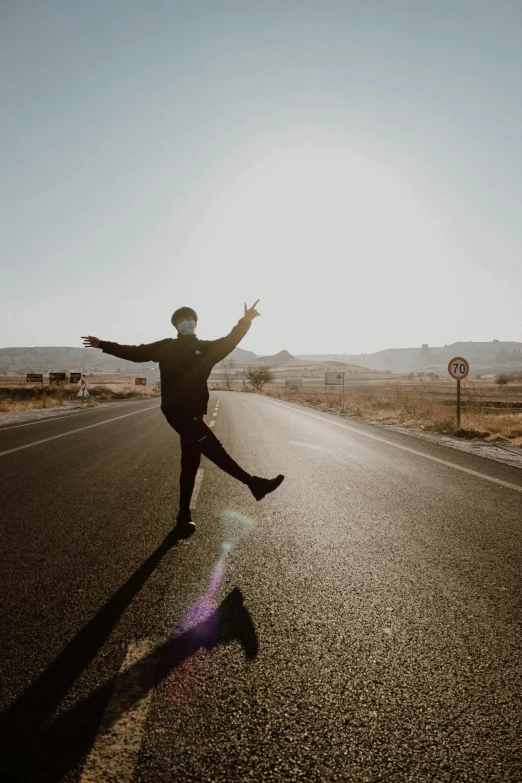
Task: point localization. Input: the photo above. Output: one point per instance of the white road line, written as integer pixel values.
(44, 421)
(56, 418)
(197, 487)
(212, 423)
(516, 487)
(114, 753)
(73, 432)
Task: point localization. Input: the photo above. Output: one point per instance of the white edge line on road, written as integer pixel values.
(117, 744)
(41, 421)
(57, 418)
(72, 432)
(399, 446)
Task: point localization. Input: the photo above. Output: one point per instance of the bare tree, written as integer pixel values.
(229, 370)
(259, 375)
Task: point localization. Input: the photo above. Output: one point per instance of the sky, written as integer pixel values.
(354, 165)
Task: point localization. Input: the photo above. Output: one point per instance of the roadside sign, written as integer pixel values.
(126, 388)
(75, 377)
(34, 377)
(140, 381)
(294, 383)
(334, 378)
(83, 386)
(56, 377)
(458, 368)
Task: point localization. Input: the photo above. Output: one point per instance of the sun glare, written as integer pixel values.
(314, 222)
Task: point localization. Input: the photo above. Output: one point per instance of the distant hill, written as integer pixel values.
(63, 359)
(240, 355)
(484, 357)
(283, 357)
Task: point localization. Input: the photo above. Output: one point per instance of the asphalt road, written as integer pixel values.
(361, 624)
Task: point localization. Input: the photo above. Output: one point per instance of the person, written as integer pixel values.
(185, 365)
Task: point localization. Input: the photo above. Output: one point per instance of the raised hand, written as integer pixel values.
(251, 312)
(91, 342)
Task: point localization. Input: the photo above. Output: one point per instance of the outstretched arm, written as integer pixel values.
(222, 347)
(133, 353)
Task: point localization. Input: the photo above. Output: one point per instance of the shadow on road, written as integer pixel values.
(36, 749)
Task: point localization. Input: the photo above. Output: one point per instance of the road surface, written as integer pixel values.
(361, 624)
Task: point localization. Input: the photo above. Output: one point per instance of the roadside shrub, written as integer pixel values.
(259, 376)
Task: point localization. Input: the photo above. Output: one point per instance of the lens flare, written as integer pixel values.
(235, 527)
(203, 625)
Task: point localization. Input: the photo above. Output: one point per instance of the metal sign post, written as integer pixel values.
(458, 368)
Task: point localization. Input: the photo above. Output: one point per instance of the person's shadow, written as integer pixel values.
(33, 750)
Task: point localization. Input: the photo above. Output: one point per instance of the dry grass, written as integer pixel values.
(17, 406)
(416, 409)
(21, 406)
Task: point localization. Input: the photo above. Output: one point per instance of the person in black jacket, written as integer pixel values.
(185, 365)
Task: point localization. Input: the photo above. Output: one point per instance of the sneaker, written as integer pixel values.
(260, 487)
(185, 523)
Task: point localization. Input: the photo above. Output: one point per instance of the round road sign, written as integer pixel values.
(458, 368)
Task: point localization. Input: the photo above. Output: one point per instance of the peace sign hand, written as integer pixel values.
(251, 312)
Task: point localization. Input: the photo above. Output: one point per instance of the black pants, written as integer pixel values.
(197, 439)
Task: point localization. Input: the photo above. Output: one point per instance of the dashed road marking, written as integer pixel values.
(73, 432)
(114, 753)
(212, 423)
(448, 464)
(197, 487)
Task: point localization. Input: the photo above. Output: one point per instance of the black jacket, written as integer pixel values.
(185, 364)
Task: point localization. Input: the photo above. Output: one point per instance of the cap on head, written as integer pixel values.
(182, 314)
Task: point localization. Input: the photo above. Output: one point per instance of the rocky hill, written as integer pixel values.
(484, 357)
(283, 357)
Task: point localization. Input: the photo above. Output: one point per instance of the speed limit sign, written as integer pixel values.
(458, 368)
